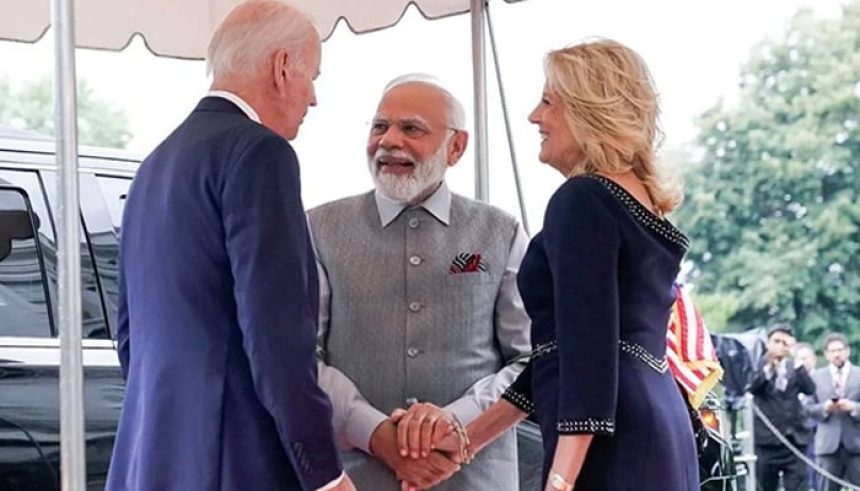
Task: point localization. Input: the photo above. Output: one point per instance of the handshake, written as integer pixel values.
(423, 445)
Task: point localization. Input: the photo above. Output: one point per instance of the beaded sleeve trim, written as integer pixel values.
(645, 356)
(519, 400)
(544, 349)
(598, 426)
(642, 214)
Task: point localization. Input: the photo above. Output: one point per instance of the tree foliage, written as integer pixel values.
(31, 107)
(772, 206)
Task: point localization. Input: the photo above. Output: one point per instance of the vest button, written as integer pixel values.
(411, 400)
(414, 306)
(415, 260)
(412, 352)
(414, 223)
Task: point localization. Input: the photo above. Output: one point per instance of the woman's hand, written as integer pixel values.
(420, 428)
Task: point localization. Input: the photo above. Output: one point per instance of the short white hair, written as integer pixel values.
(255, 29)
(456, 113)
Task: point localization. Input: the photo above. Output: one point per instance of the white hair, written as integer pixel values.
(248, 36)
(456, 113)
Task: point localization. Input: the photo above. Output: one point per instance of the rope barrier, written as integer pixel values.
(802, 456)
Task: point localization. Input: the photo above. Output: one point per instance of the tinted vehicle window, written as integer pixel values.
(92, 309)
(102, 203)
(114, 190)
(24, 298)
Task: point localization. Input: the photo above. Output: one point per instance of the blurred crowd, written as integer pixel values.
(814, 409)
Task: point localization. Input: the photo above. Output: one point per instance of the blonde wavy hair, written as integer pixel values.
(610, 106)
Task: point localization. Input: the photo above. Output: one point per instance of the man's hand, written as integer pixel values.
(416, 474)
(846, 405)
(419, 428)
(345, 485)
(450, 446)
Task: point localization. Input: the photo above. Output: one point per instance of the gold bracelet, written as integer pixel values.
(465, 454)
(556, 481)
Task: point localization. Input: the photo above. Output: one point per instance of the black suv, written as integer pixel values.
(29, 344)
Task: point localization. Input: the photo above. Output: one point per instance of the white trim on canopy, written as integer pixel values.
(182, 28)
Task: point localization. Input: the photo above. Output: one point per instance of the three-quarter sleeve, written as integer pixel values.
(519, 393)
(582, 242)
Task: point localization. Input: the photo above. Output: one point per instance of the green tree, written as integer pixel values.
(31, 107)
(773, 204)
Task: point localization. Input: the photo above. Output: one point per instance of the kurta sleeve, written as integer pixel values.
(582, 243)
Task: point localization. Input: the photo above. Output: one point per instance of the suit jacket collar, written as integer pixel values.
(239, 102)
(218, 104)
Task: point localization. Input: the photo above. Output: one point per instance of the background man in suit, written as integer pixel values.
(419, 304)
(218, 287)
(804, 354)
(777, 386)
(837, 440)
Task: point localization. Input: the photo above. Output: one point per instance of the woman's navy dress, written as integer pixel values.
(597, 284)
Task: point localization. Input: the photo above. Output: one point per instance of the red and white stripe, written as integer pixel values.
(690, 352)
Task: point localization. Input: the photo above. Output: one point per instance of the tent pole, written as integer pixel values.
(479, 80)
(72, 456)
(514, 165)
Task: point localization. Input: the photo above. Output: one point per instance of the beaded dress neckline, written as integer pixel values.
(642, 214)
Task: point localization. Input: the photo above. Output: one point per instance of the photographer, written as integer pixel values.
(776, 387)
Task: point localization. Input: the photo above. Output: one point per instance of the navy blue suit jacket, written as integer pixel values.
(218, 316)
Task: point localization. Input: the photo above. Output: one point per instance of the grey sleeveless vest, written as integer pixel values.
(403, 328)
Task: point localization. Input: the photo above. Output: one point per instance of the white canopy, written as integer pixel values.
(181, 28)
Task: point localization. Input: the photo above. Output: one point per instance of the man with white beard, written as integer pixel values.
(418, 302)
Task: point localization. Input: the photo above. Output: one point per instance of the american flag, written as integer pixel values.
(690, 352)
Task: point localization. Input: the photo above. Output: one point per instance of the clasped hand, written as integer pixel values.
(426, 445)
(839, 406)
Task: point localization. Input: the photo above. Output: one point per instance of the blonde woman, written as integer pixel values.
(597, 284)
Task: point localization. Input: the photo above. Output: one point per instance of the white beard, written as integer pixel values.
(406, 188)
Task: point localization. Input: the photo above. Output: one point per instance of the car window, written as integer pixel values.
(24, 296)
(102, 200)
(114, 190)
(92, 309)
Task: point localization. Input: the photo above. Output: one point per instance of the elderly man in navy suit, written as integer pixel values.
(218, 286)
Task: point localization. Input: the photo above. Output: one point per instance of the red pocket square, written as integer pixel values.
(467, 262)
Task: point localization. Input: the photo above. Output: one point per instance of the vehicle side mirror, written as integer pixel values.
(14, 224)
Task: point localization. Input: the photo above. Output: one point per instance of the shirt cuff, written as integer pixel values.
(465, 409)
(334, 483)
(363, 420)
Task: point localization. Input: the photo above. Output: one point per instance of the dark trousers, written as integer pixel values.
(841, 464)
(776, 460)
(814, 478)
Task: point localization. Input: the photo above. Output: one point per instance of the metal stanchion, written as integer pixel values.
(479, 82)
(72, 456)
(747, 437)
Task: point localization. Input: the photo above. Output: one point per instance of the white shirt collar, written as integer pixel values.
(438, 204)
(240, 103)
(845, 368)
